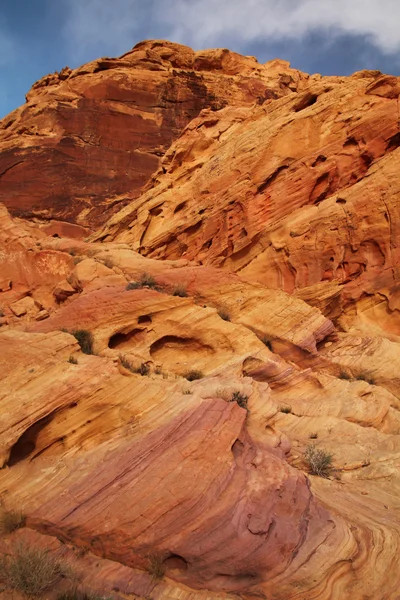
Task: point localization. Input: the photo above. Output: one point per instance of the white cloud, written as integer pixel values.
(115, 26)
(206, 21)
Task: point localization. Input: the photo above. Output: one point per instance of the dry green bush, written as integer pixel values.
(319, 462)
(85, 340)
(156, 567)
(29, 571)
(179, 290)
(193, 374)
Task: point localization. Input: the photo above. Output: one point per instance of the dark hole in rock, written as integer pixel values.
(179, 207)
(320, 159)
(26, 444)
(154, 212)
(144, 319)
(237, 448)
(351, 141)
(119, 339)
(393, 142)
(306, 101)
(175, 561)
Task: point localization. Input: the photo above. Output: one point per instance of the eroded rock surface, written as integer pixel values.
(87, 140)
(164, 378)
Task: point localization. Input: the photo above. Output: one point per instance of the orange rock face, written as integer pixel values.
(296, 193)
(89, 136)
(168, 379)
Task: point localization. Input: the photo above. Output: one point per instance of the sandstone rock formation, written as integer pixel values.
(88, 139)
(164, 378)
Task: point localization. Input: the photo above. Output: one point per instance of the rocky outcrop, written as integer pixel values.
(88, 139)
(165, 379)
(298, 193)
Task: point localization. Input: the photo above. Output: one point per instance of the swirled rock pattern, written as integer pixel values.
(164, 379)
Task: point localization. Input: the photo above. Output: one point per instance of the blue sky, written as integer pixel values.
(325, 36)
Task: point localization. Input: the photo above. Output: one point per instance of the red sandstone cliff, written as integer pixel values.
(87, 136)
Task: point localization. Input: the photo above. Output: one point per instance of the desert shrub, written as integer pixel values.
(142, 369)
(313, 435)
(187, 392)
(179, 290)
(133, 285)
(85, 340)
(156, 567)
(240, 398)
(286, 409)
(224, 313)
(10, 520)
(125, 363)
(193, 374)
(29, 571)
(73, 360)
(147, 280)
(319, 462)
(76, 594)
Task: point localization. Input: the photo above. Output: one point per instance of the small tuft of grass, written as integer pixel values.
(133, 285)
(85, 340)
(319, 462)
(156, 567)
(224, 314)
(143, 369)
(147, 280)
(10, 520)
(313, 435)
(286, 409)
(180, 290)
(187, 392)
(73, 360)
(241, 399)
(193, 374)
(30, 571)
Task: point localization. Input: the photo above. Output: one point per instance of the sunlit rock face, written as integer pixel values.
(166, 368)
(88, 139)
